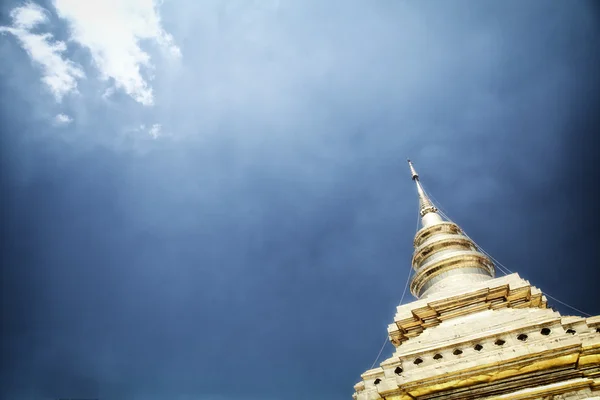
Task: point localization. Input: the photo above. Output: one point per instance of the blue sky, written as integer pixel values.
(203, 200)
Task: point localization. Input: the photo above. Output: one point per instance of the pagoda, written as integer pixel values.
(470, 335)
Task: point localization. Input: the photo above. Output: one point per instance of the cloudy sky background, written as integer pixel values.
(208, 200)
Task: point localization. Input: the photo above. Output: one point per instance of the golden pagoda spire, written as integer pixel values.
(472, 336)
(444, 256)
(425, 205)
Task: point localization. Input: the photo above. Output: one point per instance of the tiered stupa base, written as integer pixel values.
(492, 340)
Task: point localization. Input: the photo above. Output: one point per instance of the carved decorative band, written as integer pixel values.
(459, 261)
(446, 227)
(448, 242)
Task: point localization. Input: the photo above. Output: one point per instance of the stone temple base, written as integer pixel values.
(493, 340)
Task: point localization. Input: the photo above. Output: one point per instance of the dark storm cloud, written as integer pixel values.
(260, 251)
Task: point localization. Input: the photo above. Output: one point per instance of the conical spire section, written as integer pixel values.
(425, 205)
(444, 257)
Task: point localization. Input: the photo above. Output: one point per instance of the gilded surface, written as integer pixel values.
(495, 375)
(593, 359)
(514, 346)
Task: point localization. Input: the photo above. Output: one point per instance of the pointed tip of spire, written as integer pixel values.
(413, 172)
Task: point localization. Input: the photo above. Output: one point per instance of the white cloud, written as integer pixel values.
(63, 119)
(155, 131)
(112, 30)
(59, 74)
(28, 16)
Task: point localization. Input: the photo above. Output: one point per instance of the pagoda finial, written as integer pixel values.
(425, 205)
(415, 176)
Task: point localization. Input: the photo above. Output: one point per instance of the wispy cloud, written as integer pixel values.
(28, 16)
(112, 30)
(62, 119)
(155, 131)
(59, 73)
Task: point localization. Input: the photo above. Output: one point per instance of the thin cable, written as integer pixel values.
(385, 341)
(565, 304)
(504, 269)
(499, 265)
(380, 351)
(436, 203)
(418, 215)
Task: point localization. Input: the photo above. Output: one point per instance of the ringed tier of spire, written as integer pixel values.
(444, 258)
